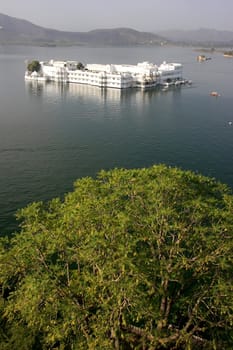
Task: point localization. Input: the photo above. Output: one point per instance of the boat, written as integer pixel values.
(214, 93)
(167, 84)
(178, 82)
(202, 58)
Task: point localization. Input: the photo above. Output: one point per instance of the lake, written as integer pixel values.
(52, 134)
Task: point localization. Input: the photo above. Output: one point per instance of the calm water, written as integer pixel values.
(52, 134)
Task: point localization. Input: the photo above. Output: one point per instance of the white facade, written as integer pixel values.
(119, 76)
(170, 72)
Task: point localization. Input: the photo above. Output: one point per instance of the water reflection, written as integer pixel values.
(96, 94)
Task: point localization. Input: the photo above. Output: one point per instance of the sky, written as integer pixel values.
(144, 15)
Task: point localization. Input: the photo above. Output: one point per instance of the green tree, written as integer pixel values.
(34, 66)
(134, 259)
(80, 66)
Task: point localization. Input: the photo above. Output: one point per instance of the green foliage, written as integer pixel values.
(34, 66)
(80, 65)
(135, 259)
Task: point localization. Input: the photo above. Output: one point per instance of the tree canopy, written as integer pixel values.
(34, 66)
(80, 66)
(134, 259)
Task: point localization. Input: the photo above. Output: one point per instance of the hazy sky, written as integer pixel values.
(148, 15)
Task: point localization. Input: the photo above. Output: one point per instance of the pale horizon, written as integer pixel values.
(150, 16)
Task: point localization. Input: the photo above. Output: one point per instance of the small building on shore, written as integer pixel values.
(203, 58)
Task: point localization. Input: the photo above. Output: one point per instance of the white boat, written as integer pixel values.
(214, 93)
(167, 85)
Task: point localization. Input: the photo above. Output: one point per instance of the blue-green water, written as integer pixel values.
(52, 134)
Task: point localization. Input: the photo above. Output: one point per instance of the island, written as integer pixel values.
(121, 76)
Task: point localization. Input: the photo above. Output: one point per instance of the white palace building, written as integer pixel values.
(121, 76)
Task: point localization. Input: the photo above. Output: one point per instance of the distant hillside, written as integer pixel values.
(18, 31)
(210, 37)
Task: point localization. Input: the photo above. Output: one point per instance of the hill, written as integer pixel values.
(203, 36)
(18, 31)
